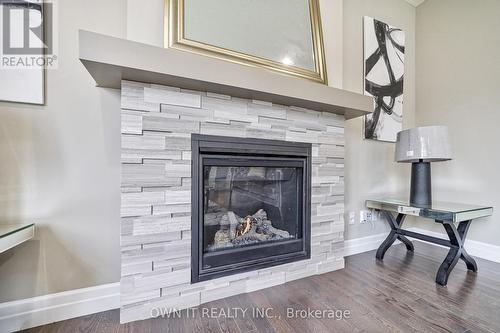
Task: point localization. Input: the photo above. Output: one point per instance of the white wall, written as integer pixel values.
(145, 21)
(60, 169)
(458, 82)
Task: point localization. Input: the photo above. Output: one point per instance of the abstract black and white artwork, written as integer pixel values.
(384, 52)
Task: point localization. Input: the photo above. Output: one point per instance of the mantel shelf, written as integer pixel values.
(110, 60)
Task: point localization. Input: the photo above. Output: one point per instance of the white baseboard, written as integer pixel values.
(36, 311)
(474, 248)
(363, 244)
(370, 243)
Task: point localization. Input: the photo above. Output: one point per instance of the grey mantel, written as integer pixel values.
(109, 60)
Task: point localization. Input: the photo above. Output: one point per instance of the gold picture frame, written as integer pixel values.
(174, 37)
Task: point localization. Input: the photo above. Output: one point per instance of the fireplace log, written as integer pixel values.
(248, 225)
(278, 232)
(260, 216)
(221, 238)
(244, 227)
(233, 224)
(249, 238)
(238, 231)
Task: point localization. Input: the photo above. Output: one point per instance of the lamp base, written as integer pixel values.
(420, 190)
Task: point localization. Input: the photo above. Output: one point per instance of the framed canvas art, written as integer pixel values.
(384, 52)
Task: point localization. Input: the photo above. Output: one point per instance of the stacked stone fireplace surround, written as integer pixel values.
(156, 126)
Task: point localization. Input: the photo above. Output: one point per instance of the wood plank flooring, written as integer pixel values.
(396, 295)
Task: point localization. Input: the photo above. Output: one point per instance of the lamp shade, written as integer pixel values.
(429, 144)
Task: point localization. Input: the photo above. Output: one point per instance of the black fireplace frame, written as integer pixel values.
(270, 152)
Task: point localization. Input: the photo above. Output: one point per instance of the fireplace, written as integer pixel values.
(163, 249)
(250, 204)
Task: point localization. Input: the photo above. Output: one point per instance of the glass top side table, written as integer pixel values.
(14, 234)
(445, 213)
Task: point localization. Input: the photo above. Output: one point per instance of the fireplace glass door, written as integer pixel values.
(250, 205)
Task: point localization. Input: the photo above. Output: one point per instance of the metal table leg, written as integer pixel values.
(457, 251)
(395, 224)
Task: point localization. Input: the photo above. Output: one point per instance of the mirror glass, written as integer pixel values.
(277, 30)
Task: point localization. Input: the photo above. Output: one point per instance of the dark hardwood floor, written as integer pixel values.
(396, 295)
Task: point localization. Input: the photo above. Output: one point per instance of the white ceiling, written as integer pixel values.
(415, 2)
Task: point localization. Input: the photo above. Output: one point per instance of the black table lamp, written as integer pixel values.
(420, 146)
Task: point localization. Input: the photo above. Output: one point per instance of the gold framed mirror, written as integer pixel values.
(281, 35)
